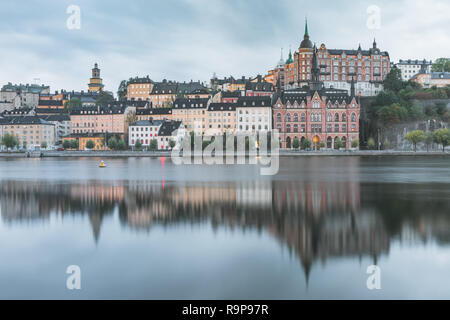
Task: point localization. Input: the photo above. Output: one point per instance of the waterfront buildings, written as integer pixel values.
(145, 131)
(170, 132)
(317, 114)
(410, 68)
(31, 131)
(82, 139)
(337, 67)
(221, 118)
(192, 113)
(99, 119)
(253, 114)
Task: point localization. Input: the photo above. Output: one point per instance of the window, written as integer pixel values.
(336, 117)
(344, 117)
(278, 117)
(353, 117)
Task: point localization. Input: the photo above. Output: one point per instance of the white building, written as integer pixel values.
(170, 131)
(62, 125)
(410, 68)
(253, 114)
(22, 95)
(145, 131)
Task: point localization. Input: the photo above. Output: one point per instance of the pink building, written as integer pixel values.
(99, 119)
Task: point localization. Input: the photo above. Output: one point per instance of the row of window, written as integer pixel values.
(317, 117)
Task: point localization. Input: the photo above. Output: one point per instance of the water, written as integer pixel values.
(147, 229)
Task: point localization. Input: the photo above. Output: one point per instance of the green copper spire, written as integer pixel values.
(289, 60)
(306, 27)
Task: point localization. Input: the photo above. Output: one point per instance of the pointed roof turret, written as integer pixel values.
(359, 47)
(306, 27)
(289, 60)
(306, 43)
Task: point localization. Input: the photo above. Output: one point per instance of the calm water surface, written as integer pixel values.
(148, 229)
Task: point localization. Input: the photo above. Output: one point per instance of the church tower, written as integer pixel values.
(95, 83)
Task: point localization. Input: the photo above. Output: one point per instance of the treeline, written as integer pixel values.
(399, 102)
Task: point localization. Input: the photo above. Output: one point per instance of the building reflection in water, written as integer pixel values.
(315, 220)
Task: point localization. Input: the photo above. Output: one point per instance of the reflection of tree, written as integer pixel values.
(314, 220)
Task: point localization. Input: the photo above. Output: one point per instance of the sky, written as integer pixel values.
(187, 40)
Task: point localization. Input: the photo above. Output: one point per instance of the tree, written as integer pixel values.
(392, 114)
(386, 144)
(296, 143)
(355, 143)
(9, 141)
(66, 144)
(442, 137)
(104, 98)
(138, 144)
(371, 143)
(24, 145)
(44, 145)
(321, 144)
(71, 104)
(131, 118)
(307, 143)
(415, 137)
(393, 80)
(74, 144)
(121, 145)
(153, 145)
(338, 143)
(441, 65)
(90, 144)
(172, 143)
(428, 140)
(112, 143)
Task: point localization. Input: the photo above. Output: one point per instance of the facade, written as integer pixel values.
(221, 118)
(258, 87)
(253, 114)
(318, 114)
(99, 119)
(170, 131)
(62, 125)
(163, 93)
(432, 79)
(192, 113)
(31, 131)
(337, 67)
(95, 83)
(21, 95)
(154, 113)
(410, 68)
(83, 138)
(139, 88)
(229, 84)
(145, 131)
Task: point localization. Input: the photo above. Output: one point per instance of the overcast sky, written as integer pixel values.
(192, 39)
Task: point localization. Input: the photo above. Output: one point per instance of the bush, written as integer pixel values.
(66, 144)
(90, 144)
(442, 137)
(10, 141)
(44, 145)
(112, 143)
(355, 143)
(121, 145)
(153, 145)
(307, 143)
(138, 144)
(415, 137)
(296, 143)
(74, 144)
(172, 143)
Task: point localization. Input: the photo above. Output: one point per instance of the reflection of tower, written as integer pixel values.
(95, 83)
(96, 223)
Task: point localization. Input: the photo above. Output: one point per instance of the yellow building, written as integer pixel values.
(99, 141)
(221, 118)
(139, 88)
(95, 83)
(192, 112)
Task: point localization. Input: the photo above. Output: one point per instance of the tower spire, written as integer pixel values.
(306, 27)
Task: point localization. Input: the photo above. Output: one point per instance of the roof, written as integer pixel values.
(168, 127)
(150, 111)
(147, 123)
(355, 52)
(50, 103)
(191, 87)
(22, 120)
(33, 88)
(231, 94)
(222, 107)
(140, 80)
(15, 111)
(415, 62)
(254, 102)
(110, 109)
(183, 103)
(164, 87)
(301, 95)
(56, 117)
(50, 111)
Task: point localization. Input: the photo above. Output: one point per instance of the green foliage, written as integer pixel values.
(112, 143)
(393, 80)
(138, 144)
(428, 140)
(121, 145)
(386, 144)
(440, 65)
(66, 144)
(172, 143)
(442, 137)
(71, 104)
(321, 144)
(338, 143)
(104, 98)
(74, 144)
(307, 143)
(296, 143)
(90, 144)
(153, 145)
(371, 143)
(392, 114)
(355, 143)
(44, 145)
(10, 141)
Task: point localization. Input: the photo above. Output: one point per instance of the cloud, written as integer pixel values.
(191, 39)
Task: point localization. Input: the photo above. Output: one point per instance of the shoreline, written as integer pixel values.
(155, 154)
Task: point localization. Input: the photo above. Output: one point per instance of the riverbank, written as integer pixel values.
(284, 153)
